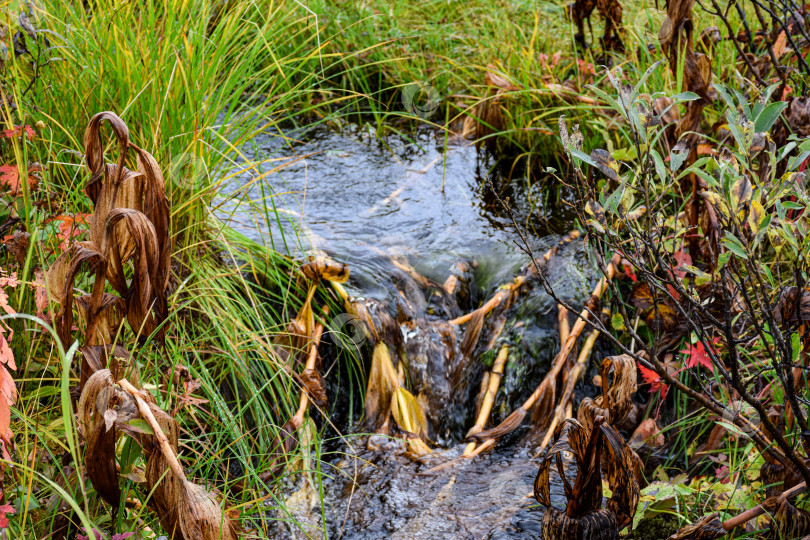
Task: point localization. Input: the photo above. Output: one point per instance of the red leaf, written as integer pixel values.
(586, 67)
(628, 271)
(40, 293)
(8, 391)
(723, 474)
(10, 177)
(654, 380)
(18, 132)
(5, 416)
(6, 354)
(69, 228)
(697, 355)
(681, 258)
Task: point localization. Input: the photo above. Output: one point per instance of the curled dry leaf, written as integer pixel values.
(186, 510)
(787, 520)
(617, 394)
(130, 223)
(620, 463)
(585, 496)
(494, 78)
(111, 314)
(649, 433)
(381, 384)
(658, 311)
(598, 525)
(793, 305)
(102, 409)
(61, 275)
(407, 413)
(313, 382)
(115, 358)
(326, 268)
(18, 246)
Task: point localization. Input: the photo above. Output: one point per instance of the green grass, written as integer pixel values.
(195, 82)
(377, 47)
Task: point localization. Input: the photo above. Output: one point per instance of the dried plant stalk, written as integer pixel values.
(489, 396)
(566, 399)
(548, 386)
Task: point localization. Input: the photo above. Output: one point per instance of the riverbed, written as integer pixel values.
(405, 214)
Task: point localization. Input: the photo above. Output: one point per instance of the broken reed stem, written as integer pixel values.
(484, 446)
(560, 413)
(758, 510)
(510, 424)
(303, 404)
(565, 326)
(505, 292)
(163, 441)
(562, 356)
(489, 396)
(491, 304)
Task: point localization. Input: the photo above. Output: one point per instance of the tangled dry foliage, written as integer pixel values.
(721, 258)
(129, 248)
(596, 447)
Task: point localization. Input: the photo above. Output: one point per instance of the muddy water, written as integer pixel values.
(406, 215)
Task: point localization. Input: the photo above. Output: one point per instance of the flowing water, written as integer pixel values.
(406, 215)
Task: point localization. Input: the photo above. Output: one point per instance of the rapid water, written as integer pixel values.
(405, 215)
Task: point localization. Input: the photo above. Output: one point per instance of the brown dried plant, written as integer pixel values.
(130, 224)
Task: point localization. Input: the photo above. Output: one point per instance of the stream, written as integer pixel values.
(409, 218)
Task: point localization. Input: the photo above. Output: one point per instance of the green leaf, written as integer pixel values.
(733, 429)
(644, 78)
(795, 161)
(796, 346)
(696, 271)
(140, 425)
(764, 97)
(734, 245)
(660, 168)
(741, 99)
(129, 454)
(767, 118)
(625, 154)
(618, 107)
(584, 157)
(617, 321)
(677, 156)
(768, 275)
(725, 95)
(685, 96)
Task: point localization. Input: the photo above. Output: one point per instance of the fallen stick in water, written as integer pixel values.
(489, 397)
(512, 421)
(508, 290)
(565, 326)
(560, 413)
(312, 382)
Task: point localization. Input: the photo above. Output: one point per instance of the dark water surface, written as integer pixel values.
(398, 212)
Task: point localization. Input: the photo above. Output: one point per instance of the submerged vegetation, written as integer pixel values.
(191, 392)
